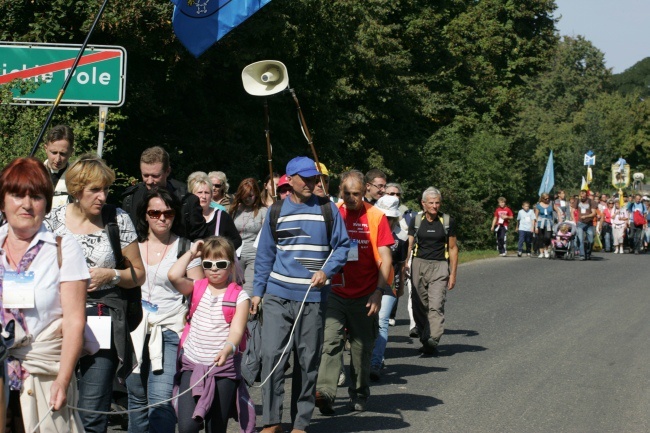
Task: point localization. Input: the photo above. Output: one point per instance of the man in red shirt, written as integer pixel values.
(356, 294)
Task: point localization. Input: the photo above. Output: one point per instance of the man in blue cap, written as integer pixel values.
(303, 243)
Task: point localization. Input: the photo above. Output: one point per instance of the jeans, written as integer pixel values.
(95, 380)
(387, 302)
(525, 238)
(637, 236)
(608, 237)
(501, 232)
(589, 229)
(151, 387)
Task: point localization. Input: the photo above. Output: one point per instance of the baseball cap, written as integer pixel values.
(284, 180)
(303, 166)
(645, 198)
(389, 205)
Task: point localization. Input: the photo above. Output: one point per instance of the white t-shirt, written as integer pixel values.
(526, 220)
(157, 288)
(209, 329)
(47, 281)
(96, 246)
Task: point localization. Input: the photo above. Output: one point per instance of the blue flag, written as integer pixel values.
(198, 24)
(549, 176)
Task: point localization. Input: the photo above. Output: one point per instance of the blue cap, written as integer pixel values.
(303, 166)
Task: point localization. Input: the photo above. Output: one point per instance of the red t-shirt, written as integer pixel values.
(502, 212)
(360, 277)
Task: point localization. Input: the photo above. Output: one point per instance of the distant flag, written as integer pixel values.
(549, 176)
(590, 158)
(198, 24)
(585, 185)
(590, 175)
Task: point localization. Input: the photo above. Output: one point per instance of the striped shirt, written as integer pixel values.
(209, 330)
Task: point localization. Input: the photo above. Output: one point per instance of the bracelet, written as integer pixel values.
(234, 348)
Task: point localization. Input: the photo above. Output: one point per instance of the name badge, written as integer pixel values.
(18, 290)
(353, 254)
(583, 210)
(100, 330)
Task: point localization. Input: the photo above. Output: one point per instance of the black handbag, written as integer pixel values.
(133, 296)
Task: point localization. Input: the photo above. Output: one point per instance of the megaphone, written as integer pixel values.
(265, 78)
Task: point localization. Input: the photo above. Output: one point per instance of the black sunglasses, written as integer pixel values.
(217, 185)
(398, 194)
(155, 214)
(220, 264)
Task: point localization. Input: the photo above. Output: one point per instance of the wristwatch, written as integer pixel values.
(116, 279)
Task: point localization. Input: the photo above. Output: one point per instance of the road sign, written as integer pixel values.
(100, 78)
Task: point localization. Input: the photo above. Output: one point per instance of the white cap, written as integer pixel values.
(645, 197)
(389, 205)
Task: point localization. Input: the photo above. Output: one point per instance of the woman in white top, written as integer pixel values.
(88, 180)
(620, 221)
(248, 213)
(51, 276)
(156, 339)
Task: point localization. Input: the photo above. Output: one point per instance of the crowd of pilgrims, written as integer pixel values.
(75, 334)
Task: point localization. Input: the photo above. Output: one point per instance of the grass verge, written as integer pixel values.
(470, 256)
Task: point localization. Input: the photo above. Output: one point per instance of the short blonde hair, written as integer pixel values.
(198, 178)
(88, 171)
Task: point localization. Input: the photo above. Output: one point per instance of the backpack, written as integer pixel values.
(229, 306)
(325, 208)
(445, 223)
(133, 296)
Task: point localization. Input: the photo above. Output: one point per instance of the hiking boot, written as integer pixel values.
(358, 404)
(375, 374)
(414, 333)
(324, 404)
(429, 347)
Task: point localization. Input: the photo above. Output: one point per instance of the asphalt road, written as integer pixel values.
(532, 345)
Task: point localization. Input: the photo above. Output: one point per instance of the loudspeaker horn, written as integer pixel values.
(265, 78)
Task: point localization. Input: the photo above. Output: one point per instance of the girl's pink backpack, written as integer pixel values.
(229, 307)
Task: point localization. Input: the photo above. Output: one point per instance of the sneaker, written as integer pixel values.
(391, 322)
(414, 333)
(375, 374)
(502, 254)
(429, 347)
(324, 404)
(546, 254)
(342, 378)
(519, 254)
(541, 256)
(616, 251)
(357, 404)
(528, 254)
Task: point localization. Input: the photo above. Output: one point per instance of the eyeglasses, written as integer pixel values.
(398, 194)
(219, 264)
(379, 187)
(217, 185)
(155, 214)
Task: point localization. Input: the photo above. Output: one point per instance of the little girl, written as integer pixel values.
(210, 338)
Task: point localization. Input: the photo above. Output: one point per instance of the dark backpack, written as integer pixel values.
(325, 209)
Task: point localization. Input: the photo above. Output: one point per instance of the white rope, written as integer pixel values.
(293, 328)
(43, 419)
(125, 412)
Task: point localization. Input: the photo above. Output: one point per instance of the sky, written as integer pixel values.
(618, 28)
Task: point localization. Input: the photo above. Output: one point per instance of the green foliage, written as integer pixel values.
(635, 80)
(466, 95)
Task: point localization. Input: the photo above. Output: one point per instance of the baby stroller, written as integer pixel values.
(563, 242)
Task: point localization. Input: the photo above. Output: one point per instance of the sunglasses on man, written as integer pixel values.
(155, 214)
(219, 264)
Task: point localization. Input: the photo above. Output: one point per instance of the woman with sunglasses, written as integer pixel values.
(88, 180)
(155, 341)
(219, 222)
(249, 214)
(220, 188)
